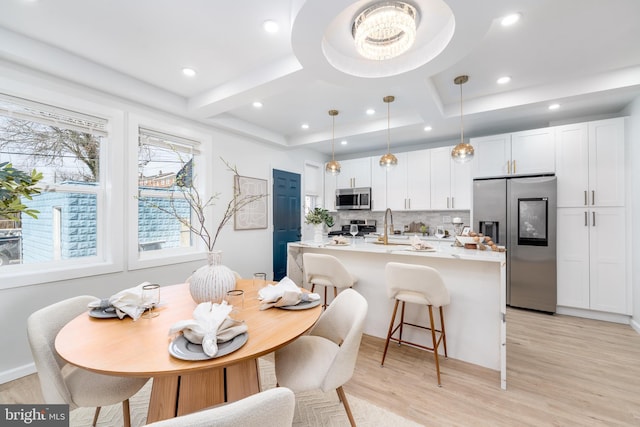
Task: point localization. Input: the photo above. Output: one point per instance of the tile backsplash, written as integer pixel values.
(402, 219)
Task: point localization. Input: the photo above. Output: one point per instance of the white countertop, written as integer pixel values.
(445, 249)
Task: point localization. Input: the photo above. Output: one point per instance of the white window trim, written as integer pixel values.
(110, 258)
(138, 260)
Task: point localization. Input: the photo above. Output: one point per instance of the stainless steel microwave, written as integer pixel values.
(353, 198)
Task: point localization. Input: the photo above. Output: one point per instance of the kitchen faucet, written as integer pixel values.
(385, 236)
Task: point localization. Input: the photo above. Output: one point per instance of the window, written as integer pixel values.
(65, 146)
(165, 171)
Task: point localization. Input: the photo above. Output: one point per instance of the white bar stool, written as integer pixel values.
(328, 271)
(416, 284)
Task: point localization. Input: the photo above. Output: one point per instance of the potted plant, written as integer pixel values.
(319, 218)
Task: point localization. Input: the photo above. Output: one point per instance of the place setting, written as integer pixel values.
(214, 331)
(136, 302)
(286, 295)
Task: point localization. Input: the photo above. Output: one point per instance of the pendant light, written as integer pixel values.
(462, 152)
(388, 161)
(333, 167)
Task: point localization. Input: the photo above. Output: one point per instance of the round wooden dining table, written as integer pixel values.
(141, 349)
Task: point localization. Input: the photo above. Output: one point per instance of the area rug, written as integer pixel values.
(312, 409)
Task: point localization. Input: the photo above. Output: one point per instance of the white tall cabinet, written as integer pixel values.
(591, 255)
(528, 152)
(450, 181)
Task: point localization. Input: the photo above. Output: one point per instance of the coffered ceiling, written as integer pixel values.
(581, 54)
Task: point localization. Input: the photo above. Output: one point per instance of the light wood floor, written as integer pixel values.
(561, 371)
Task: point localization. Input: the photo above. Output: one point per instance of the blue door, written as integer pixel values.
(286, 218)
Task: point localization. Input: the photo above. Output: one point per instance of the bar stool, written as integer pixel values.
(328, 271)
(416, 284)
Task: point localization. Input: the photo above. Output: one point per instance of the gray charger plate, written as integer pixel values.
(181, 348)
(103, 313)
(302, 305)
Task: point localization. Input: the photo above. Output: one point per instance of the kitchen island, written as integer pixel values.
(476, 318)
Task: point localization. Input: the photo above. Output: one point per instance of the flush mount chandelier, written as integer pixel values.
(385, 30)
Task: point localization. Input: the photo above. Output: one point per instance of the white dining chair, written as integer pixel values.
(271, 408)
(326, 357)
(326, 270)
(422, 285)
(62, 383)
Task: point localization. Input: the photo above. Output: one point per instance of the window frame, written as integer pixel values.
(146, 259)
(109, 258)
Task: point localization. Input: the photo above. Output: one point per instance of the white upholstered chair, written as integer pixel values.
(326, 357)
(328, 271)
(271, 408)
(62, 383)
(416, 284)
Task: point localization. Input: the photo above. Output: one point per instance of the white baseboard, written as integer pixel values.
(19, 372)
(635, 325)
(596, 315)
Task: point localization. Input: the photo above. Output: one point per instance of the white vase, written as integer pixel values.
(211, 282)
(318, 233)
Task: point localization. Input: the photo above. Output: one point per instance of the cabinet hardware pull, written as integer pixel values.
(586, 202)
(452, 202)
(508, 167)
(514, 167)
(586, 219)
(409, 203)
(447, 203)
(593, 220)
(593, 197)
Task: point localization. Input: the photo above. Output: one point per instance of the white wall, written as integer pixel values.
(633, 143)
(244, 251)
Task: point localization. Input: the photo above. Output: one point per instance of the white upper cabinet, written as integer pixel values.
(355, 173)
(590, 163)
(405, 187)
(450, 181)
(521, 153)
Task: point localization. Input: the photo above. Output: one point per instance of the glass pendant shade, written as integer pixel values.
(463, 152)
(333, 167)
(388, 161)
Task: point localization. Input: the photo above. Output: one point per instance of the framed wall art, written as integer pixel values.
(251, 193)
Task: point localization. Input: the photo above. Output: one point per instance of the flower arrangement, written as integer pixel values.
(319, 216)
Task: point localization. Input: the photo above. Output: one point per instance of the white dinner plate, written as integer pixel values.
(302, 305)
(422, 250)
(103, 313)
(181, 348)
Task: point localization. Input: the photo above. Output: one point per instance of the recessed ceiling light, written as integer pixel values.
(371, 112)
(344, 142)
(270, 26)
(257, 104)
(510, 19)
(189, 72)
(304, 126)
(503, 80)
(427, 128)
(554, 106)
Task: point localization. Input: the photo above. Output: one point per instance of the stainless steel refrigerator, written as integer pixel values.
(520, 213)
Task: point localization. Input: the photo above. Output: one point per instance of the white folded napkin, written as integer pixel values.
(339, 240)
(127, 302)
(284, 293)
(419, 244)
(210, 325)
